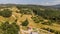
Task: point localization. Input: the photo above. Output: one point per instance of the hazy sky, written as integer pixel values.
(38, 2)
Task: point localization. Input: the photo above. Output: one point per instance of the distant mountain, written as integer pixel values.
(31, 6)
(56, 6)
(24, 5)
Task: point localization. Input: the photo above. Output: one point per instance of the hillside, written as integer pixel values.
(40, 18)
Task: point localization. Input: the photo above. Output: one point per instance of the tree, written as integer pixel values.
(6, 13)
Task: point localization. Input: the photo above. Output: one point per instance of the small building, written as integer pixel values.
(35, 33)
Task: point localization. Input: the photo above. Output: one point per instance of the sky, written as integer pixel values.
(36, 2)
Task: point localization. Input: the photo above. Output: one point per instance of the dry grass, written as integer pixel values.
(28, 17)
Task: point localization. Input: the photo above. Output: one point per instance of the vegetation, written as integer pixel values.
(47, 23)
(39, 15)
(25, 11)
(38, 20)
(53, 15)
(35, 19)
(51, 30)
(25, 23)
(6, 13)
(9, 28)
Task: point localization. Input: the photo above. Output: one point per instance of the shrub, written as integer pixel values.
(22, 11)
(47, 23)
(35, 19)
(25, 23)
(9, 28)
(6, 13)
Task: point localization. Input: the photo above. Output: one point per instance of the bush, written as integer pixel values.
(48, 29)
(51, 30)
(25, 11)
(25, 23)
(9, 28)
(56, 32)
(6, 13)
(35, 19)
(47, 23)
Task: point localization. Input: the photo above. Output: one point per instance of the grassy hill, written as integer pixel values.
(46, 20)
